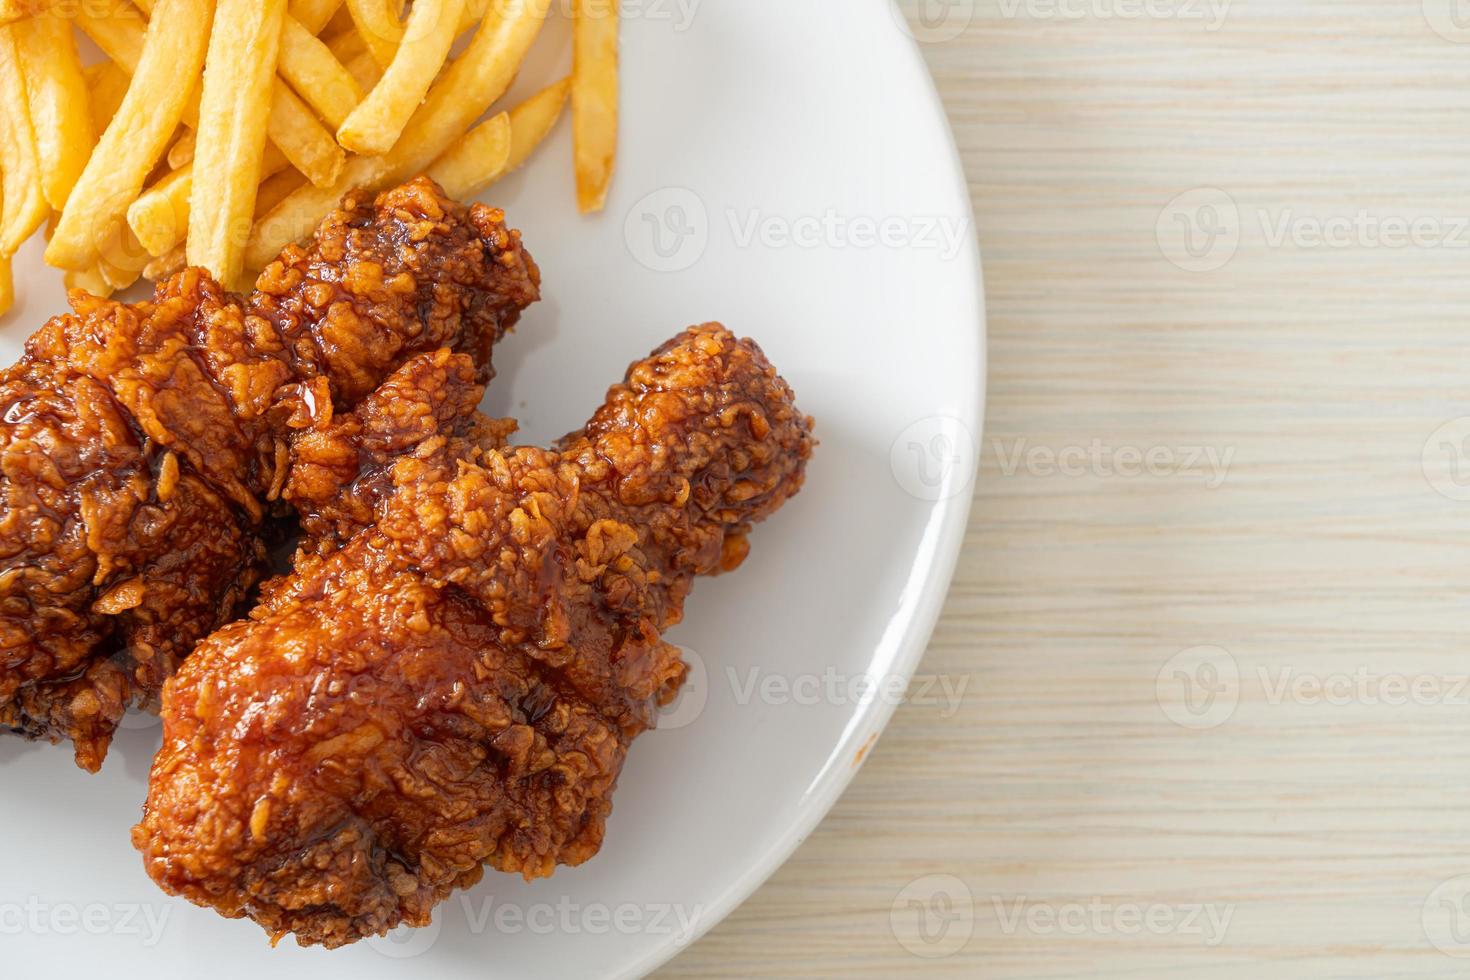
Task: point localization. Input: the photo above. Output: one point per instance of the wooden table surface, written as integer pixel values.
(1213, 605)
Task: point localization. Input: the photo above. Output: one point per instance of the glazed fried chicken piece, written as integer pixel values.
(143, 448)
(457, 685)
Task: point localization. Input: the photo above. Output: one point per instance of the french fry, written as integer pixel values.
(60, 113)
(472, 83)
(25, 207)
(119, 33)
(89, 280)
(233, 110)
(305, 142)
(378, 24)
(315, 73)
(476, 161)
(14, 10)
(181, 154)
(138, 136)
(595, 100)
(347, 46)
(292, 126)
(167, 265)
(365, 70)
(314, 15)
(160, 216)
(375, 125)
(532, 121)
(108, 85)
(7, 287)
(276, 188)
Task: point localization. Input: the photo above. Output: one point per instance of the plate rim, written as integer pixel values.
(951, 516)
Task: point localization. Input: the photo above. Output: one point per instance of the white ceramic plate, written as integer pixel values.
(787, 169)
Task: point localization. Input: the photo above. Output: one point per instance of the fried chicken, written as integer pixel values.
(143, 449)
(457, 684)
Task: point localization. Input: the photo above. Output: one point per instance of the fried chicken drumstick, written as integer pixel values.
(143, 448)
(458, 684)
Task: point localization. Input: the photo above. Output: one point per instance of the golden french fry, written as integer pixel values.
(25, 207)
(472, 83)
(305, 142)
(108, 84)
(378, 24)
(238, 77)
(60, 113)
(476, 161)
(119, 32)
(160, 216)
(276, 188)
(181, 154)
(14, 10)
(167, 265)
(315, 73)
(375, 125)
(532, 121)
(89, 280)
(7, 287)
(293, 126)
(365, 70)
(315, 15)
(347, 46)
(595, 100)
(138, 136)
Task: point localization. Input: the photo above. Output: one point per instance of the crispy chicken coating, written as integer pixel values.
(457, 684)
(143, 449)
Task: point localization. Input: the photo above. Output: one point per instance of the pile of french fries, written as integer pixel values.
(217, 132)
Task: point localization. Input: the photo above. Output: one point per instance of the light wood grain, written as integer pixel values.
(1321, 826)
